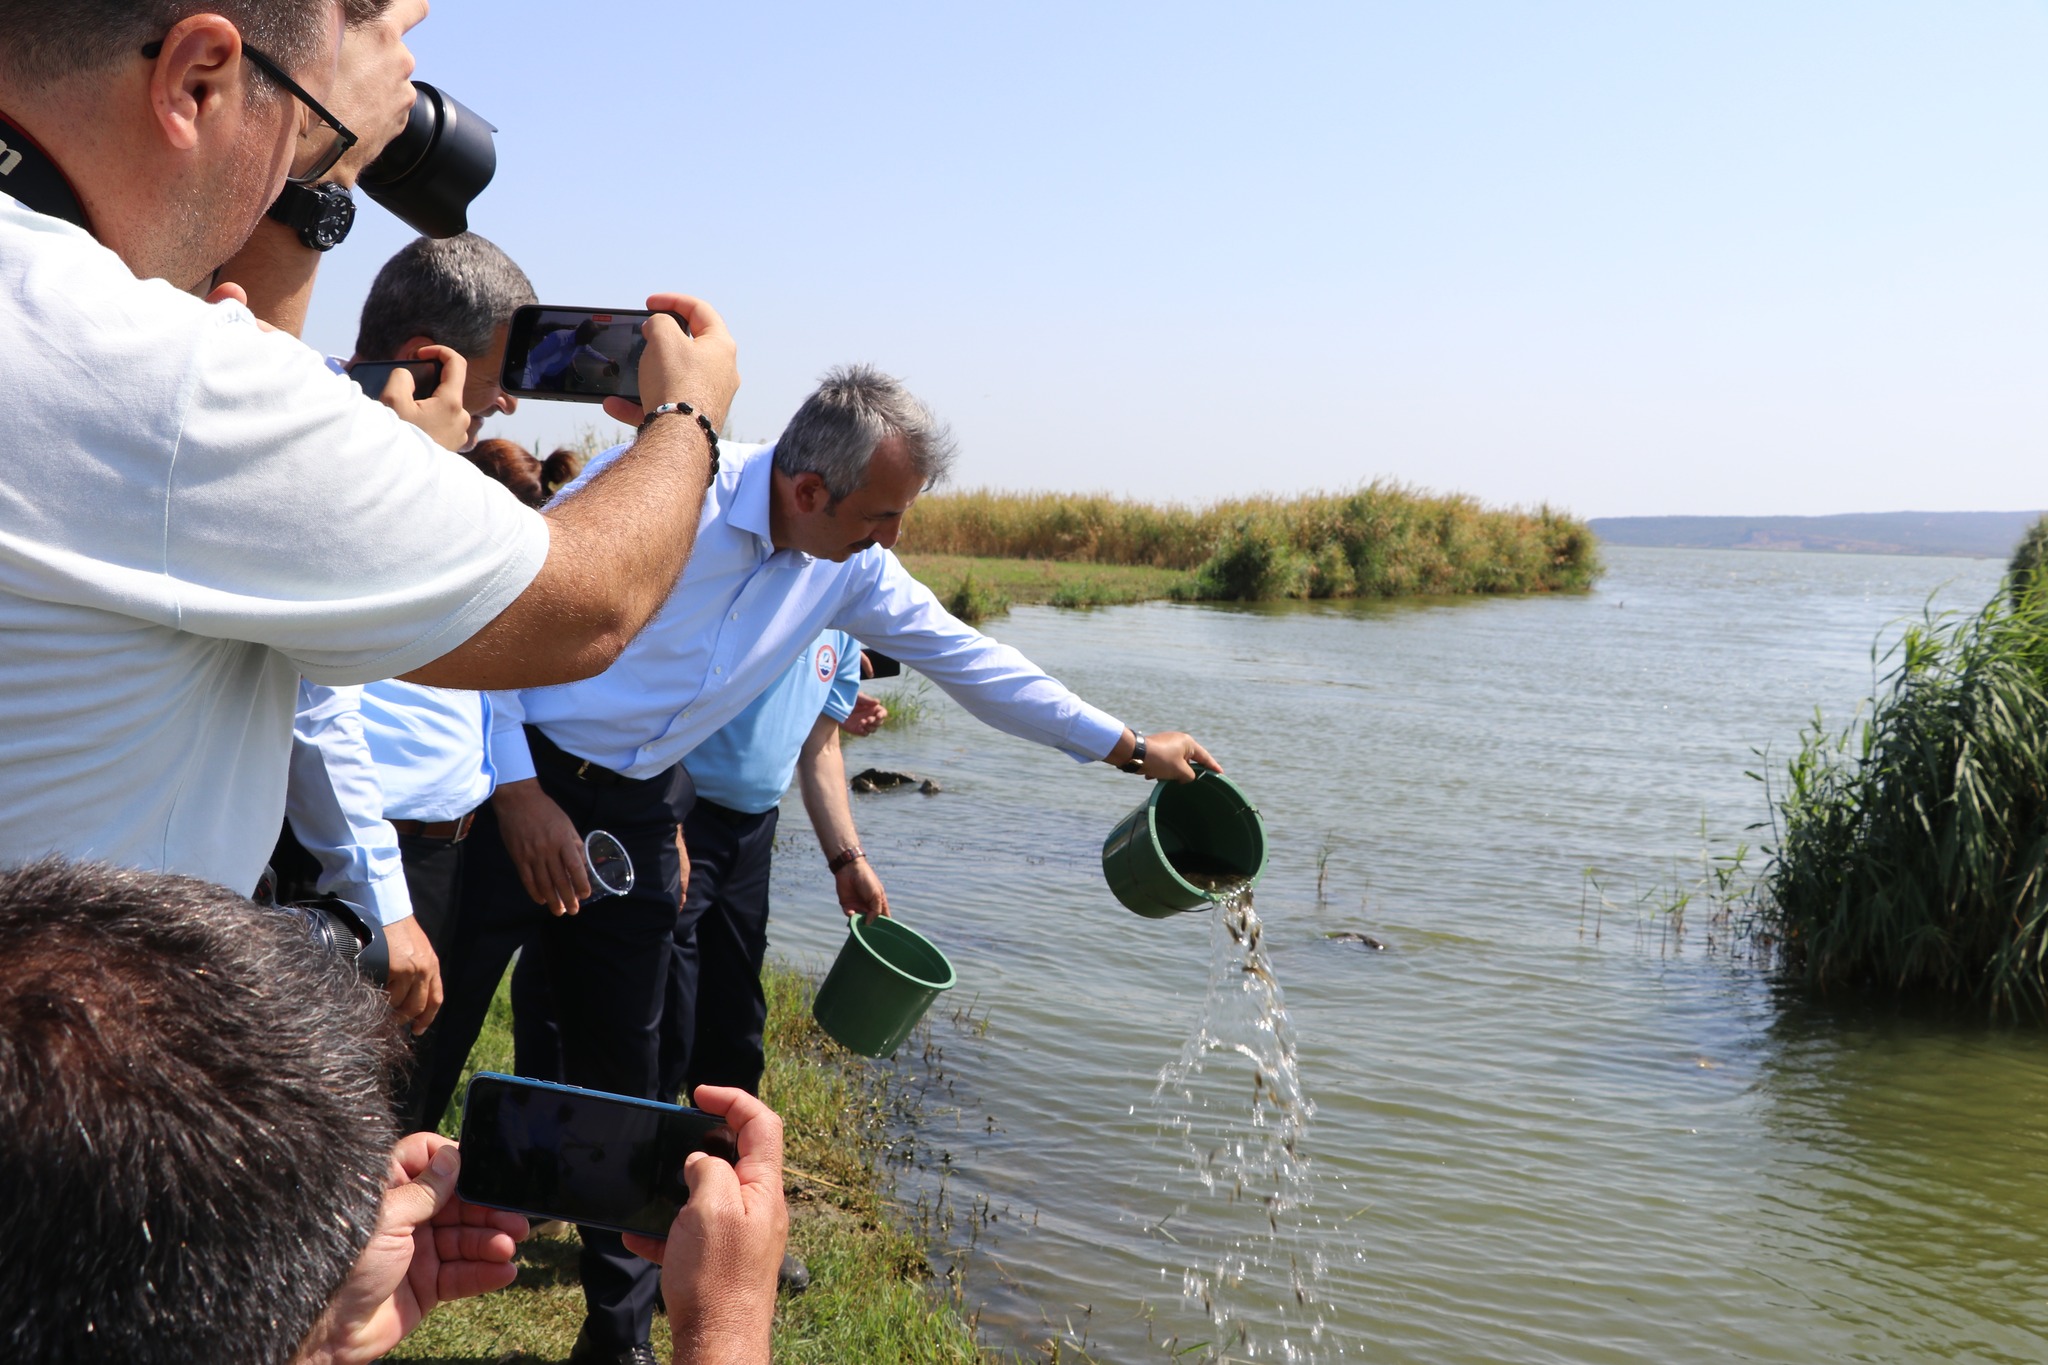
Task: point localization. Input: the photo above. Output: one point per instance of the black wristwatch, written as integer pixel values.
(322, 214)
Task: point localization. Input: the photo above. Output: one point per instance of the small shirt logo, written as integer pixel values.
(828, 663)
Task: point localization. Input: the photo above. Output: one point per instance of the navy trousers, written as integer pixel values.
(606, 969)
(714, 1008)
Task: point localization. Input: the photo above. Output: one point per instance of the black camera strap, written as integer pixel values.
(28, 174)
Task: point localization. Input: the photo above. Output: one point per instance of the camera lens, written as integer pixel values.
(432, 171)
(343, 932)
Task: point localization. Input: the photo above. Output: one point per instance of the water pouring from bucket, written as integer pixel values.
(1189, 846)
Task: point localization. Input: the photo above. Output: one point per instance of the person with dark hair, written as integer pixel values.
(458, 292)
(513, 465)
(793, 541)
(384, 777)
(195, 1095)
(214, 514)
(560, 469)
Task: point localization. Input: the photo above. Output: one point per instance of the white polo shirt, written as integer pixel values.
(193, 512)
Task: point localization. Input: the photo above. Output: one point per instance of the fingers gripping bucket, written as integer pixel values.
(1204, 829)
(880, 985)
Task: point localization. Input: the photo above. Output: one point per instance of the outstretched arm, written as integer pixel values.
(616, 545)
(821, 776)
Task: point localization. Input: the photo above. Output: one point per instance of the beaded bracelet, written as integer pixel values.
(685, 410)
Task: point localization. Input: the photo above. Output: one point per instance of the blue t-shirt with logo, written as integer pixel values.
(748, 765)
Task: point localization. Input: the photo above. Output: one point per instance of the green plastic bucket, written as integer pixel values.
(1203, 829)
(885, 977)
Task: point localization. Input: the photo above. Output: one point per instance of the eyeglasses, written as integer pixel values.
(323, 139)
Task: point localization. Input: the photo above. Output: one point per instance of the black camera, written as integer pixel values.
(431, 172)
(345, 931)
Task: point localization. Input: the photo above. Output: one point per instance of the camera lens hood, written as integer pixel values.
(432, 171)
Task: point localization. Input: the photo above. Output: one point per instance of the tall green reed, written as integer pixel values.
(1382, 539)
(1912, 851)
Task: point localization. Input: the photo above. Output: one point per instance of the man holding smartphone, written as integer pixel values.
(202, 1117)
(794, 540)
(384, 777)
(153, 628)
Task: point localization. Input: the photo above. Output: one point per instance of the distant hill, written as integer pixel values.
(1975, 535)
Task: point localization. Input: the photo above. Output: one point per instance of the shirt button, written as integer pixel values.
(718, 670)
(735, 616)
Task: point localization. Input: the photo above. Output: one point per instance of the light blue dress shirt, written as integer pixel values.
(748, 765)
(742, 614)
(365, 756)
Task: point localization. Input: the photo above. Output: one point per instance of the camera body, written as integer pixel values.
(346, 932)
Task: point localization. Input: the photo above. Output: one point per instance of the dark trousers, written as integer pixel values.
(606, 968)
(711, 1023)
(433, 879)
(714, 1008)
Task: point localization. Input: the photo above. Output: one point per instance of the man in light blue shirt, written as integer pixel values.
(715, 1009)
(790, 542)
(384, 777)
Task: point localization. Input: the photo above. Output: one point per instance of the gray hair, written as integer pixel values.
(198, 1101)
(854, 409)
(47, 43)
(458, 290)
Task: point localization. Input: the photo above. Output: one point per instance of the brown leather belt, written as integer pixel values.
(454, 831)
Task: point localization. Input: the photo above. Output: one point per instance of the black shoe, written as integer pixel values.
(587, 1352)
(794, 1277)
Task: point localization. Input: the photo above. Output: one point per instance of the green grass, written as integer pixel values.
(975, 600)
(1380, 540)
(870, 1298)
(1912, 851)
(1037, 582)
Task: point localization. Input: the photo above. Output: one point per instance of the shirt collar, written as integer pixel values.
(750, 499)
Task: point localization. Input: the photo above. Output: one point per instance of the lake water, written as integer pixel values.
(1541, 1131)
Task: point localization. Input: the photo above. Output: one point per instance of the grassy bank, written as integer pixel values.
(1912, 850)
(1037, 582)
(869, 1300)
(1382, 540)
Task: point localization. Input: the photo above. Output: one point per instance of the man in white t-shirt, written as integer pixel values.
(196, 511)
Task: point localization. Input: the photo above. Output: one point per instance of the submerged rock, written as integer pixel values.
(881, 780)
(1351, 936)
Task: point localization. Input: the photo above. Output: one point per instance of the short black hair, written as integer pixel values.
(47, 42)
(457, 290)
(195, 1120)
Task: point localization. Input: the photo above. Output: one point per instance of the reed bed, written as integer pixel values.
(1912, 850)
(2027, 558)
(1381, 540)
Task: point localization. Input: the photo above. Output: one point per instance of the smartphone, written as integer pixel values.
(372, 375)
(583, 1156)
(583, 355)
(880, 665)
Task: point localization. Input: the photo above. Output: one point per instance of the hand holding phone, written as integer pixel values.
(583, 1156)
(374, 376)
(436, 408)
(627, 358)
(730, 1235)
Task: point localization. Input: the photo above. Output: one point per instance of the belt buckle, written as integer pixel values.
(583, 771)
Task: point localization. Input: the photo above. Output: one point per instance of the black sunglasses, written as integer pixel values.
(316, 154)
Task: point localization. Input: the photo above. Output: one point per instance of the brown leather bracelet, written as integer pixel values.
(846, 857)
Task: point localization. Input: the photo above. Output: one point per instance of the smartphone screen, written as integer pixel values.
(372, 375)
(555, 1151)
(580, 354)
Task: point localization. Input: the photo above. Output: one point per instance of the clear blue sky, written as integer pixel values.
(1629, 257)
